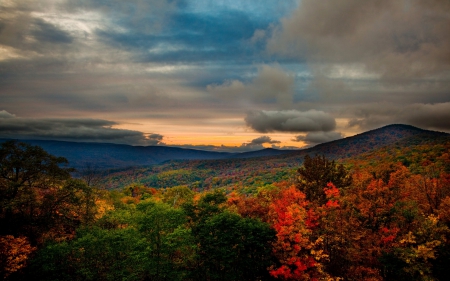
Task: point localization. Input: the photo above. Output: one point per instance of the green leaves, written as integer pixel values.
(231, 245)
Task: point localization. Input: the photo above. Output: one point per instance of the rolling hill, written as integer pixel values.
(393, 143)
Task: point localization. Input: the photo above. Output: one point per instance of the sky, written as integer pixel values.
(221, 75)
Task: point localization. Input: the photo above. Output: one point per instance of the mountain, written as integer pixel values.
(393, 143)
(108, 156)
(260, 153)
(355, 145)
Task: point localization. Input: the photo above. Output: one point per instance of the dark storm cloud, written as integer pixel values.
(429, 116)
(396, 39)
(79, 129)
(290, 121)
(318, 137)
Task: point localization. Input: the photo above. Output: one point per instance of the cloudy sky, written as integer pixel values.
(223, 74)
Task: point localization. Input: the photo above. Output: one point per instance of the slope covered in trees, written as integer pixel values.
(381, 215)
(395, 143)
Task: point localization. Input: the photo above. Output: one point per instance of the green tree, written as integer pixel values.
(169, 245)
(94, 254)
(234, 248)
(177, 195)
(229, 247)
(316, 173)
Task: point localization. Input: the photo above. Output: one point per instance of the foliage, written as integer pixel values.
(316, 173)
(14, 253)
(230, 245)
(372, 218)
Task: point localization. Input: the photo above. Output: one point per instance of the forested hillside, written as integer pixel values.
(351, 214)
(394, 143)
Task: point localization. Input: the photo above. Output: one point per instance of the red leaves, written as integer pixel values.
(331, 191)
(332, 194)
(295, 244)
(388, 235)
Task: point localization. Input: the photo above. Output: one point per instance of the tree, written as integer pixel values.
(316, 173)
(161, 226)
(37, 195)
(94, 254)
(234, 248)
(177, 195)
(14, 253)
(23, 166)
(298, 252)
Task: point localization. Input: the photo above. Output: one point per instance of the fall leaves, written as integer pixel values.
(14, 253)
(375, 222)
(393, 227)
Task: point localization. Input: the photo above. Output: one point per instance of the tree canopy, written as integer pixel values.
(316, 173)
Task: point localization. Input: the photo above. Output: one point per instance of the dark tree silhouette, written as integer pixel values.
(316, 173)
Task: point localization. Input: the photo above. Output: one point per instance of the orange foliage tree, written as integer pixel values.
(14, 253)
(299, 255)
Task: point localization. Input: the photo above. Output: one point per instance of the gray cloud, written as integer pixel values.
(6, 115)
(79, 129)
(272, 84)
(28, 34)
(290, 121)
(427, 116)
(192, 63)
(263, 139)
(318, 137)
(154, 139)
(45, 32)
(255, 144)
(397, 39)
(148, 16)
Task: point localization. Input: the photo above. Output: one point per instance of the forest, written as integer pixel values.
(382, 214)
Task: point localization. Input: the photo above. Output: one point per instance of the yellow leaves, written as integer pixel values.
(409, 239)
(427, 251)
(433, 219)
(129, 200)
(14, 253)
(318, 255)
(103, 207)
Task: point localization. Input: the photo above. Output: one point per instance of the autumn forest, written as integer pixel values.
(344, 211)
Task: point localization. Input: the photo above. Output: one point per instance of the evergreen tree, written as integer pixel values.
(316, 173)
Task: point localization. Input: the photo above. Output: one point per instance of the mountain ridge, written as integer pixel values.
(110, 156)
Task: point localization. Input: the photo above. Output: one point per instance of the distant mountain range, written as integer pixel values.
(107, 156)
